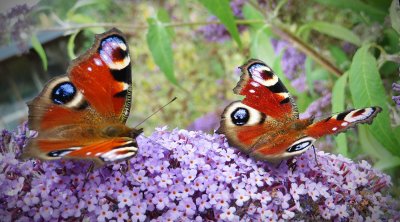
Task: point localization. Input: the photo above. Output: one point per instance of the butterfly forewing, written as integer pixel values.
(103, 75)
(264, 91)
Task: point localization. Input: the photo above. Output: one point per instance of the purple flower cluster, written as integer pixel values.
(15, 26)
(206, 123)
(396, 88)
(218, 32)
(184, 175)
(316, 108)
(292, 62)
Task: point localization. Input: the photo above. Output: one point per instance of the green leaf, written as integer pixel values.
(261, 47)
(333, 30)
(357, 6)
(338, 102)
(339, 55)
(222, 10)
(163, 16)
(394, 13)
(71, 46)
(159, 43)
(370, 145)
(367, 89)
(387, 163)
(84, 19)
(37, 46)
(80, 4)
(250, 13)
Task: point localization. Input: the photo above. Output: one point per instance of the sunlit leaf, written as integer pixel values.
(395, 15)
(333, 30)
(37, 46)
(250, 13)
(357, 6)
(261, 47)
(159, 43)
(222, 10)
(163, 16)
(339, 55)
(367, 89)
(387, 163)
(71, 46)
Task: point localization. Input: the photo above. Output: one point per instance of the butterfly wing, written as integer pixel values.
(264, 91)
(86, 109)
(342, 121)
(103, 75)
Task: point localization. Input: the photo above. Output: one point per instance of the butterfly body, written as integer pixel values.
(266, 124)
(82, 114)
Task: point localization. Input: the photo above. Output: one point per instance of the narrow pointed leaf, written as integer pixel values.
(367, 89)
(159, 43)
(37, 46)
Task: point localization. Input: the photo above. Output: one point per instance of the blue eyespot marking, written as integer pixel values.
(299, 146)
(240, 116)
(63, 93)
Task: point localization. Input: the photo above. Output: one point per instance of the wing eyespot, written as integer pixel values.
(240, 116)
(63, 93)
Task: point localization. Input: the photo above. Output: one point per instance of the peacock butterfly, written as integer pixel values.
(266, 124)
(82, 114)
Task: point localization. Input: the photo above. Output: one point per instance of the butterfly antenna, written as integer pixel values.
(315, 156)
(158, 110)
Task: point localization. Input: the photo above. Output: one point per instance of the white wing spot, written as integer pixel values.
(89, 69)
(334, 128)
(345, 124)
(97, 62)
(255, 84)
(252, 91)
(98, 154)
(88, 153)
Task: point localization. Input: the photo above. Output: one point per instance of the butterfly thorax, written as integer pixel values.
(120, 130)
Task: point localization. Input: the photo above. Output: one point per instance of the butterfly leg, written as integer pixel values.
(127, 168)
(89, 171)
(292, 164)
(315, 157)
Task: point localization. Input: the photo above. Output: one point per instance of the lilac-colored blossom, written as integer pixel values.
(226, 185)
(396, 88)
(316, 107)
(218, 32)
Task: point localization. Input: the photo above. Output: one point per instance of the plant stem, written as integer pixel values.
(130, 27)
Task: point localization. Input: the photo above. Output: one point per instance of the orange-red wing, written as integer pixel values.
(264, 91)
(342, 121)
(103, 75)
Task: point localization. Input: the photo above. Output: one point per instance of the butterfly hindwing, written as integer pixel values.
(85, 110)
(342, 121)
